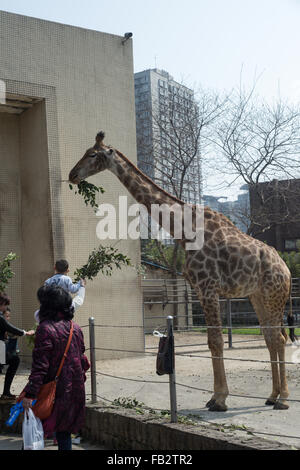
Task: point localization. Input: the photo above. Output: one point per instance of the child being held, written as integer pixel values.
(61, 278)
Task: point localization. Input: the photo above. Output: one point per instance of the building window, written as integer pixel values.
(291, 244)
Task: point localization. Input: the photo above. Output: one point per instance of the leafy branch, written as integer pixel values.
(102, 259)
(5, 271)
(89, 192)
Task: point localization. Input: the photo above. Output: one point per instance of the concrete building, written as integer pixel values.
(238, 211)
(275, 209)
(64, 84)
(155, 93)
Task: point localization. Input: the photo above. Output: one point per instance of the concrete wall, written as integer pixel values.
(84, 80)
(10, 205)
(124, 429)
(37, 247)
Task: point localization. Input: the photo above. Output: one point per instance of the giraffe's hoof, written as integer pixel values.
(217, 407)
(280, 406)
(270, 402)
(210, 403)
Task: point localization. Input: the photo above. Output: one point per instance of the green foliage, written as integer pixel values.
(102, 259)
(5, 271)
(292, 260)
(130, 403)
(164, 254)
(141, 408)
(31, 339)
(88, 191)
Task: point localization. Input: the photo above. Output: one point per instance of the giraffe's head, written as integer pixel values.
(95, 159)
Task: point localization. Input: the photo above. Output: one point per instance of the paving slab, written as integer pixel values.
(14, 442)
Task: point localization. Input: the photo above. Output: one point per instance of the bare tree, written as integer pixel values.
(260, 143)
(173, 138)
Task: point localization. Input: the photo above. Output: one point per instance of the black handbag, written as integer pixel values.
(165, 356)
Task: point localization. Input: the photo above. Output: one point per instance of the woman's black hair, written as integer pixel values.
(56, 304)
(4, 299)
(40, 293)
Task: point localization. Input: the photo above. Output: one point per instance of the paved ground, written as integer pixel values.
(244, 378)
(14, 442)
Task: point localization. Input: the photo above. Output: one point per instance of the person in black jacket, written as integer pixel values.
(12, 360)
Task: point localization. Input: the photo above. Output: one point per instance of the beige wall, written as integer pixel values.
(10, 206)
(85, 79)
(37, 246)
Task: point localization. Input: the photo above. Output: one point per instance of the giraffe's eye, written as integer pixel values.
(93, 155)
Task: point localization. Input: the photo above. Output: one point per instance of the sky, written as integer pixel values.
(208, 43)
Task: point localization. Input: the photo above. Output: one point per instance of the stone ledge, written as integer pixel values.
(126, 430)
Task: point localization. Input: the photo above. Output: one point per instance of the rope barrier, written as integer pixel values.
(122, 350)
(205, 344)
(192, 354)
(187, 386)
(231, 394)
(183, 354)
(187, 354)
(197, 327)
(132, 380)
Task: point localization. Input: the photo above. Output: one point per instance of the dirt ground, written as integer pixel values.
(244, 378)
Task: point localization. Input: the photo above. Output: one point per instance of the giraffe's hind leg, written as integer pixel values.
(270, 316)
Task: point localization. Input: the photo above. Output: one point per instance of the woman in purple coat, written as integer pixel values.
(56, 313)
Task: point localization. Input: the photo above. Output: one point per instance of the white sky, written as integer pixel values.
(200, 42)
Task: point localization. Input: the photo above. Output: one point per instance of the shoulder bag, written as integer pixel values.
(46, 396)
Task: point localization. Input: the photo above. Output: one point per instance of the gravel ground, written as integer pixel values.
(244, 378)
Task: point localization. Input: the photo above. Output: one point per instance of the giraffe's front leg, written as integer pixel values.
(216, 344)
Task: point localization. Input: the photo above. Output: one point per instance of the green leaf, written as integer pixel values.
(88, 191)
(101, 260)
(5, 271)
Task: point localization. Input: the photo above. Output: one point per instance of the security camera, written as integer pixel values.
(126, 37)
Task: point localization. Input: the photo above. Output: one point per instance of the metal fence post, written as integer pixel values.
(172, 385)
(93, 359)
(229, 323)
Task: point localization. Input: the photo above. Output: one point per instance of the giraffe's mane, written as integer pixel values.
(138, 171)
(174, 198)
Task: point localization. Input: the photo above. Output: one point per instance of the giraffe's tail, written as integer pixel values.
(290, 318)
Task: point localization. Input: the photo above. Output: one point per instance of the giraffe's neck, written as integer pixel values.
(143, 189)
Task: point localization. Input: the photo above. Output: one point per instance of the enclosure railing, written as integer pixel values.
(178, 291)
(173, 383)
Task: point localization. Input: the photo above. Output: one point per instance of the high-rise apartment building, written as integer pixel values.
(166, 123)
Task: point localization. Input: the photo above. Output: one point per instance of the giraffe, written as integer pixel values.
(229, 264)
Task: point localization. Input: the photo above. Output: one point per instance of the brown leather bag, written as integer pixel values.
(46, 396)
